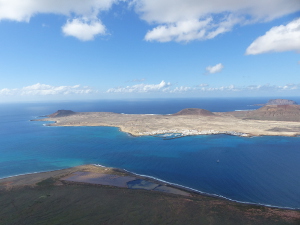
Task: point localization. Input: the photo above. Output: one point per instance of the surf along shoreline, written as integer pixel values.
(62, 176)
(52, 195)
(196, 122)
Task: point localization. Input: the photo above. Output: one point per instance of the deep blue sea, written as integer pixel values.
(264, 170)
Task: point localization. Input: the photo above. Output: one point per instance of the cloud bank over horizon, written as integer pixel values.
(166, 88)
(44, 89)
(162, 89)
(141, 88)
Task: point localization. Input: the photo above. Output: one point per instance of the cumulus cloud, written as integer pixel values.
(186, 20)
(215, 69)
(188, 30)
(83, 30)
(278, 39)
(180, 31)
(141, 88)
(44, 89)
(173, 20)
(85, 13)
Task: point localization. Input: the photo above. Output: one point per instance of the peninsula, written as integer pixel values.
(90, 194)
(271, 120)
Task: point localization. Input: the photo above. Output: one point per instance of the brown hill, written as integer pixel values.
(194, 111)
(275, 112)
(61, 113)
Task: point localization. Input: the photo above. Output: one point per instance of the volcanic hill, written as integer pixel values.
(61, 113)
(276, 112)
(194, 111)
(275, 109)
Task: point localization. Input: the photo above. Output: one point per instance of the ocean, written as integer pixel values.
(259, 170)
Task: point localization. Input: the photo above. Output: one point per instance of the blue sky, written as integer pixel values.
(110, 49)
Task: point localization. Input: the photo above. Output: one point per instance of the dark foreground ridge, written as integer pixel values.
(51, 198)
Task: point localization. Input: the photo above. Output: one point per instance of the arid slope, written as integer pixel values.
(268, 120)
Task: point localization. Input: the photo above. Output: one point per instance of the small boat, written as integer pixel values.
(218, 161)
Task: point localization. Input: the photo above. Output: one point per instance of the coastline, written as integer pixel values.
(55, 198)
(34, 178)
(185, 125)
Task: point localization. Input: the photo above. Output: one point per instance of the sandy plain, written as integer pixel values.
(148, 124)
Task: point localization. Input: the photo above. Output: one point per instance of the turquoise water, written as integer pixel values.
(261, 170)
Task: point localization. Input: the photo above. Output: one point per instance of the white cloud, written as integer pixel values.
(175, 20)
(255, 88)
(222, 88)
(215, 69)
(278, 39)
(85, 13)
(181, 31)
(203, 85)
(186, 20)
(181, 89)
(188, 30)
(164, 87)
(83, 30)
(23, 10)
(270, 88)
(141, 88)
(44, 89)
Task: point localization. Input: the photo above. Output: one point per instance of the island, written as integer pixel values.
(282, 119)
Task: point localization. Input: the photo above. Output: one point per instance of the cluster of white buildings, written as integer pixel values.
(192, 132)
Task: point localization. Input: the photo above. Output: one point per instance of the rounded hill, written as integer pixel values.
(61, 113)
(194, 111)
(276, 112)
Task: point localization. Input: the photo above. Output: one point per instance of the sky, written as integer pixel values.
(127, 49)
